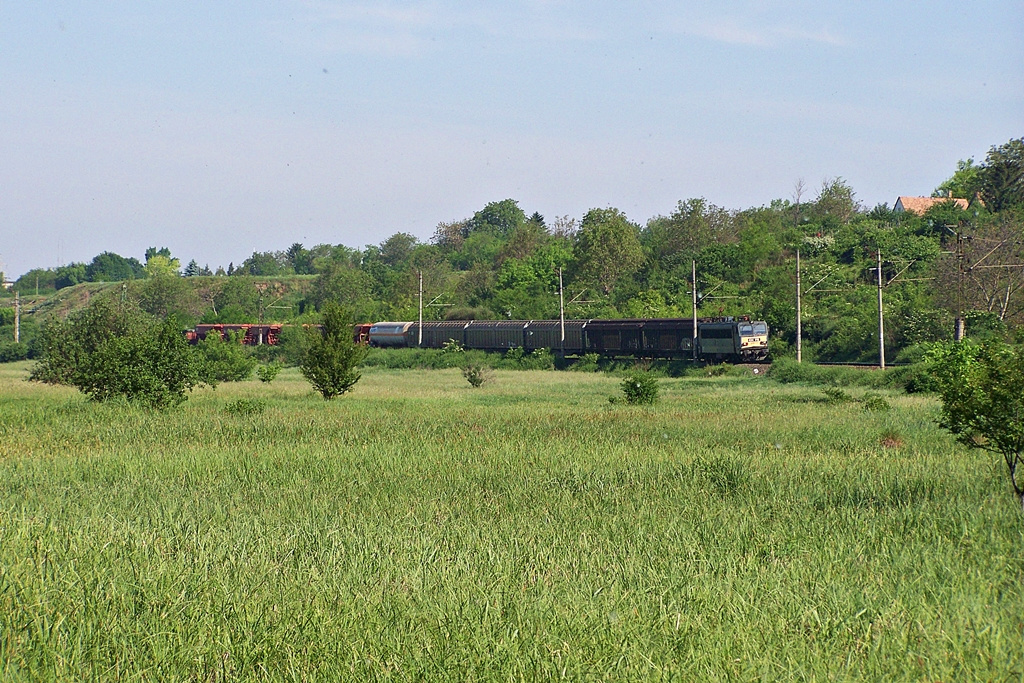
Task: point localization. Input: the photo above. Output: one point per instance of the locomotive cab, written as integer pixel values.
(753, 340)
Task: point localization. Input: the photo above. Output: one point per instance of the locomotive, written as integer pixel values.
(717, 339)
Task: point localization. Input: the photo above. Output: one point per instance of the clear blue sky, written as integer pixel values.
(220, 128)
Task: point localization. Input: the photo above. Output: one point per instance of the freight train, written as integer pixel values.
(717, 339)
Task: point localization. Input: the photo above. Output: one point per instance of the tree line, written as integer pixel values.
(955, 259)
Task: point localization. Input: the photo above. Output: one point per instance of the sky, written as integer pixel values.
(218, 129)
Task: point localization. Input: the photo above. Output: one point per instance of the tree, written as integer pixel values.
(1002, 176)
(224, 360)
(607, 248)
(523, 241)
(265, 264)
(37, 279)
(239, 294)
(300, 259)
(450, 236)
(332, 354)
(396, 250)
(159, 265)
(111, 267)
(340, 282)
(836, 199)
(982, 393)
(964, 183)
(70, 275)
(693, 226)
(989, 273)
(500, 218)
(167, 295)
(109, 350)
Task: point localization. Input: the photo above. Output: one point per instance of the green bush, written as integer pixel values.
(109, 350)
(640, 388)
(517, 359)
(246, 406)
(982, 393)
(224, 360)
(476, 374)
(13, 351)
(588, 362)
(155, 370)
(267, 373)
(332, 355)
(717, 370)
(875, 403)
(835, 396)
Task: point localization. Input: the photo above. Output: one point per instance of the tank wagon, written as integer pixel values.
(737, 339)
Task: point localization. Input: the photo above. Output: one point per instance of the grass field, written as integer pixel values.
(528, 530)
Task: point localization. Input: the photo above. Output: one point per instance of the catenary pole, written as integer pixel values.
(881, 317)
(694, 288)
(561, 311)
(799, 334)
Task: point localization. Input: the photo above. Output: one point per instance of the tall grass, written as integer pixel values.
(423, 529)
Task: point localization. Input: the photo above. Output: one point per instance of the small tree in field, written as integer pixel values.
(113, 350)
(332, 354)
(982, 392)
(640, 388)
(224, 360)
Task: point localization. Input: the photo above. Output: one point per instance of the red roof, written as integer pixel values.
(919, 205)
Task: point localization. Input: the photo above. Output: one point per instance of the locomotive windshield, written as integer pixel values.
(760, 328)
(751, 329)
(746, 330)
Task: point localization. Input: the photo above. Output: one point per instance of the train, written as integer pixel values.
(735, 339)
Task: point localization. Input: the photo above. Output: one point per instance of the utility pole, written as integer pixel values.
(881, 317)
(17, 317)
(799, 334)
(260, 287)
(419, 334)
(694, 266)
(561, 312)
(959, 330)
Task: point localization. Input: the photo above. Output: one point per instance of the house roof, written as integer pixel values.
(919, 205)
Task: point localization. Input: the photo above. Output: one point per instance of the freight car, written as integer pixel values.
(737, 339)
(247, 334)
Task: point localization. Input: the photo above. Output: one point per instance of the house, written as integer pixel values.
(919, 205)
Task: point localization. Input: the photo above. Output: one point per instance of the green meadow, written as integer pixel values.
(421, 529)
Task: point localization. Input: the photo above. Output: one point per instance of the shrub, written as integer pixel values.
(640, 388)
(476, 374)
(835, 396)
(13, 351)
(588, 362)
(875, 403)
(517, 359)
(717, 370)
(332, 355)
(155, 370)
(246, 406)
(224, 360)
(452, 346)
(268, 373)
(109, 351)
(982, 393)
